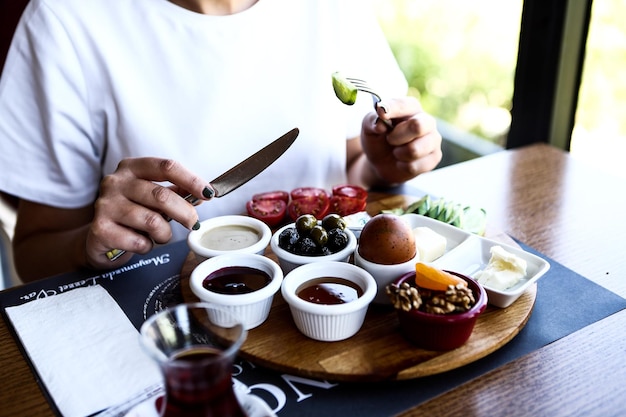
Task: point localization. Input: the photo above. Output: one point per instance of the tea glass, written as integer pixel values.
(195, 346)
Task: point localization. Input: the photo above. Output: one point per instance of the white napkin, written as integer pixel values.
(85, 350)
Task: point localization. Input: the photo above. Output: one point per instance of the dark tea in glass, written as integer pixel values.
(195, 346)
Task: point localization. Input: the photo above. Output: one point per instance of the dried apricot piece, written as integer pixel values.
(435, 279)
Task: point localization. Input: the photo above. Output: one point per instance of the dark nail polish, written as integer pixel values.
(196, 226)
(208, 192)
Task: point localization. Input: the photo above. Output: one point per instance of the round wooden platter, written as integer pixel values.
(378, 351)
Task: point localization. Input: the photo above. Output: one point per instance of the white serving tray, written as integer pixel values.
(467, 253)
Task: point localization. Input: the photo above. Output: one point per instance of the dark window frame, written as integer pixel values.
(549, 68)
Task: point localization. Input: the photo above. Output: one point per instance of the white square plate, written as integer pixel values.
(467, 254)
(454, 236)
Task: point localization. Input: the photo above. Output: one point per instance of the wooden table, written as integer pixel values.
(570, 213)
(551, 202)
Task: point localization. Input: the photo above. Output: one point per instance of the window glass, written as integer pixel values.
(599, 135)
(459, 58)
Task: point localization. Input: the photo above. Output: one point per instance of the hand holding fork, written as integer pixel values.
(412, 143)
(346, 89)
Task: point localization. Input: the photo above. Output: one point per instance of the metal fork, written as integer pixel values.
(362, 85)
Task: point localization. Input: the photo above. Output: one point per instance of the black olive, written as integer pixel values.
(326, 251)
(287, 239)
(306, 246)
(337, 240)
(305, 223)
(319, 235)
(333, 221)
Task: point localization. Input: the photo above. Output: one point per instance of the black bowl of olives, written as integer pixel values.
(311, 240)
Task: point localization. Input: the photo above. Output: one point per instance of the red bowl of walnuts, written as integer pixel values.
(437, 319)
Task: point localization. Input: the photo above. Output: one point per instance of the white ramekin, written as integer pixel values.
(288, 261)
(194, 239)
(328, 322)
(252, 308)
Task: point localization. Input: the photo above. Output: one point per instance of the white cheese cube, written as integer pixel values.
(430, 244)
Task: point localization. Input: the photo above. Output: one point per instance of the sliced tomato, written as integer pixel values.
(344, 206)
(271, 212)
(272, 195)
(308, 200)
(348, 190)
(306, 192)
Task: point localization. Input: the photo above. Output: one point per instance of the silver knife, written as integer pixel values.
(239, 174)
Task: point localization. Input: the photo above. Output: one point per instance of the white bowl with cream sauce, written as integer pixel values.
(229, 234)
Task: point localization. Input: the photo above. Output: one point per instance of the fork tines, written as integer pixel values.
(362, 85)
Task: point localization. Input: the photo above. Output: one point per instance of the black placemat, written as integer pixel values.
(559, 310)
(148, 283)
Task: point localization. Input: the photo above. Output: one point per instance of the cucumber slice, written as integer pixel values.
(448, 212)
(399, 211)
(474, 220)
(455, 213)
(436, 209)
(458, 220)
(344, 89)
(425, 206)
(415, 206)
(423, 209)
(468, 218)
(442, 213)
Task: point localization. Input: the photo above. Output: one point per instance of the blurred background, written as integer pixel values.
(461, 59)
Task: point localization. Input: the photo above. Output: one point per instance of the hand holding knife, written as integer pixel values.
(239, 174)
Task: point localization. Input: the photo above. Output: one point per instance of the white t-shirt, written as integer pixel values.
(88, 83)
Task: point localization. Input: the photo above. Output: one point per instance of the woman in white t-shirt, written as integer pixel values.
(111, 109)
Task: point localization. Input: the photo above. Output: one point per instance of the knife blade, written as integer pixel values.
(253, 165)
(239, 174)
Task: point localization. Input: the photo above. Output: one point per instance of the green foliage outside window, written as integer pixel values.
(459, 58)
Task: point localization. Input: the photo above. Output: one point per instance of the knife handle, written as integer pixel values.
(114, 254)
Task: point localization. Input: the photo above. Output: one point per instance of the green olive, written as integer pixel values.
(319, 235)
(333, 221)
(305, 223)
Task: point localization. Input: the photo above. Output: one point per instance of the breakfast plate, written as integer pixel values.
(379, 351)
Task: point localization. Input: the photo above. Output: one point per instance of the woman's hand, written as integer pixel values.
(131, 210)
(128, 214)
(411, 147)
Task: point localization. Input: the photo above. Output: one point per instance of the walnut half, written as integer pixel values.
(404, 297)
(456, 299)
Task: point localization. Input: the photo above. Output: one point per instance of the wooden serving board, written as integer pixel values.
(378, 351)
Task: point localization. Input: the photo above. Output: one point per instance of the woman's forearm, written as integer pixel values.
(42, 255)
(48, 240)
